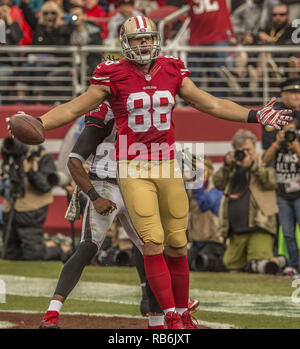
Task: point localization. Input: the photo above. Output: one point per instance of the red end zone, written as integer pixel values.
(190, 125)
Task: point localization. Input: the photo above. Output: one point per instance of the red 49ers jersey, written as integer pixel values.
(210, 22)
(142, 104)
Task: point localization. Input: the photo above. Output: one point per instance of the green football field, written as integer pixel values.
(226, 300)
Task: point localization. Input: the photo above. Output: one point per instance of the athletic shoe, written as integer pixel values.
(173, 321)
(49, 321)
(187, 321)
(291, 272)
(193, 304)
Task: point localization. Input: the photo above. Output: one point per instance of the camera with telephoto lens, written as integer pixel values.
(239, 154)
(13, 154)
(59, 179)
(13, 147)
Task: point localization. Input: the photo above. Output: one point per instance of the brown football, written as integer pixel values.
(27, 129)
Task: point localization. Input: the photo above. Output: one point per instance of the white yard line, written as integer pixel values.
(212, 325)
(6, 324)
(214, 301)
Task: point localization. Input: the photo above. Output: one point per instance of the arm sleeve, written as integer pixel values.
(87, 142)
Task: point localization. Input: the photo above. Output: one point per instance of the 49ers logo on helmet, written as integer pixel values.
(142, 30)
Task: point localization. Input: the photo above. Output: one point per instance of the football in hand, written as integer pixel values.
(27, 129)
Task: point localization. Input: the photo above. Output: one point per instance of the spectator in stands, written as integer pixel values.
(207, 250)
(48, 29)
(96, 14)
(285, 152)
(34, 5)
(279, 32)
(294, 8)
(17, 16)
(210, 25)
(13, 36)
(146, 6)
(248, 209)
(246, 20)
(290, 96)
(85, 33)
(24, 237)
(126, 10)
(82, 32)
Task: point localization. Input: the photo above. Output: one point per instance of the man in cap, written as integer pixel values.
(290, 95)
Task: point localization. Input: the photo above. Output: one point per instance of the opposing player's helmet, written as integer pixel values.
(134, 27)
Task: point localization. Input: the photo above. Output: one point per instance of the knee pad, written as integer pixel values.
(143, 203)
(178, 204)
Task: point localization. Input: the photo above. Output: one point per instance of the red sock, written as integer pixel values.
(180, 275)
(159, 280)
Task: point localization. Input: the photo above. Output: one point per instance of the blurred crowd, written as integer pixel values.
(97, 22)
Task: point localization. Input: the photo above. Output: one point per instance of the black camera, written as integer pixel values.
(239, 154)
(59, 179)
(290, 135)
(115, 256)
(13, 147)
(13, 153)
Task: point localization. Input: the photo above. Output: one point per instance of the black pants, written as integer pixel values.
(25, 239)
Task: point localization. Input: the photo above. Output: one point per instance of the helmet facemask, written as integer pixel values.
(135, 53)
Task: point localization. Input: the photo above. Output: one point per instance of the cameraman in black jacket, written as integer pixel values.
(27, 168)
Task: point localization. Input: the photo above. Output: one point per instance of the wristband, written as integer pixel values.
(92, 194)
(252, 118)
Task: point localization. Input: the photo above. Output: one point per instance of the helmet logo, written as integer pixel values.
(142, 30)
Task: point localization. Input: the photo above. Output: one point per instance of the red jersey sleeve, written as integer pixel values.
(100, 116)
(182, 70)
(107, 73)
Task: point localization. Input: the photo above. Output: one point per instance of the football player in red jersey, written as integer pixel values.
(141, 90)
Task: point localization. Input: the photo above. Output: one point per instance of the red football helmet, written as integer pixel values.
(133, 28)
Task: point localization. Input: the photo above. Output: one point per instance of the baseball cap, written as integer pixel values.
(290, 85)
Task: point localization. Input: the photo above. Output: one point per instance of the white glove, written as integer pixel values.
(276, 118)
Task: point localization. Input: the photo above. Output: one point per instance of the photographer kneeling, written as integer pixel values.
(285, 152)
(248, 209)
(25, 207)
